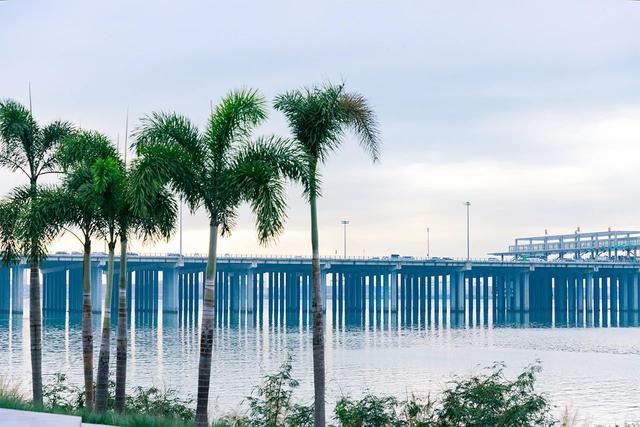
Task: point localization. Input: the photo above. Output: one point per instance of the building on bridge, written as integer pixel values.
(599, 245)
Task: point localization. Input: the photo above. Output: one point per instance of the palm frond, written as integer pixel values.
(361, 118)
(159, 165)
(233, 119)
(169, 128)
(17, 134)
(84, 147)
(258, 174)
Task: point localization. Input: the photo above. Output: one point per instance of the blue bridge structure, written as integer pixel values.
(355, 290)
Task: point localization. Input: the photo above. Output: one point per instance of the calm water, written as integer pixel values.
(594, 371)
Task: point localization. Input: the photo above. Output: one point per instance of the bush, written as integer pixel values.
(145, 407)
(271, 405)
(493, 400)
(480, 400)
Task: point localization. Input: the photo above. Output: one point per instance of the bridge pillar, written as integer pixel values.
(634, 293)
(5, 288)
(580, 287)
(97, 290)
(525, 291)
(323, 286)
(17, 289)
(460, 284)
(589, 294)
(251, 286)
(485, 298)
(613, 297)
(170, 290)
(517, 292)
(394, 291)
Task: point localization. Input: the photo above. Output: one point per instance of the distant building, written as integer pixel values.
(610, 244)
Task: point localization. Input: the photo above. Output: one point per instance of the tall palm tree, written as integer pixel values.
(148, 215)
(318, 118)
(30, 149)
(81, 208)
(95, 174)
(218, 169)
(108, 175)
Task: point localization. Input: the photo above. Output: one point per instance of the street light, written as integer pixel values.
(428, 242)
(344, 222)
(467, 204)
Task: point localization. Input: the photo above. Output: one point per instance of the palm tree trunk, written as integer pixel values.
(206, 338)
(87, 332)
(121, 345)
(318, 318)
(102, 381)
(35, 329)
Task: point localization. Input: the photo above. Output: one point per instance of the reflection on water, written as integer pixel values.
(589, 364)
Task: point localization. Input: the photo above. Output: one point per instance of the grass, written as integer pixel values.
(109, 418)
(12, 398)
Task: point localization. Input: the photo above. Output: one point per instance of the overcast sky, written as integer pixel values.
(530, 110)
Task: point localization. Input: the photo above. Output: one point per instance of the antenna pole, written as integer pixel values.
(30, 106)
(126, 137)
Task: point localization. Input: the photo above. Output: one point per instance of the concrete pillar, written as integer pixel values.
(471, 297)
(394, 291)
(518, 293)
(589, 291)
(634, 293)
(323, 286)
(525, 291)
(17, 289)
(580, 292)
(485, 297)
(251, 284)
(624, 292)
(234, 288)
(613, 296)
(97, 290)
(605, 297)
(460, 291)
(170, 290)
(5, 289)
(384, 282)
(436, 296)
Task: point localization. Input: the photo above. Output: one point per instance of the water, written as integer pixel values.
(593, 371)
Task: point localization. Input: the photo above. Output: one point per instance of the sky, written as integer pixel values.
(529, 110)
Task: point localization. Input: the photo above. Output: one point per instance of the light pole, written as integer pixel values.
(180, 227)
(467, 204)
(344, 222)
(428, 243)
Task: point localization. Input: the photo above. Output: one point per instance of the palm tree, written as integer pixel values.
(96, 175)
(30, 149)
(81, 208)
(148, 215)
(108, 176)
(218, 169)
(318, 118)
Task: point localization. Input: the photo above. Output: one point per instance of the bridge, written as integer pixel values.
(355, 289)
(603, 245)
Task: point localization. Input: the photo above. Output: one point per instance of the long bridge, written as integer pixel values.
(444, 289)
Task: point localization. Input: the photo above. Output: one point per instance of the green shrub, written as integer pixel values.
(494, 400)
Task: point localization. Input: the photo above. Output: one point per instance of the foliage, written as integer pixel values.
(271, 404)
(26, 227)
(372, 410)
(167, 404)
(318, 118)
(58, 393)
(368, 411)
(26, 146)
(492, 399)
(163, 403)
(220, 167)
